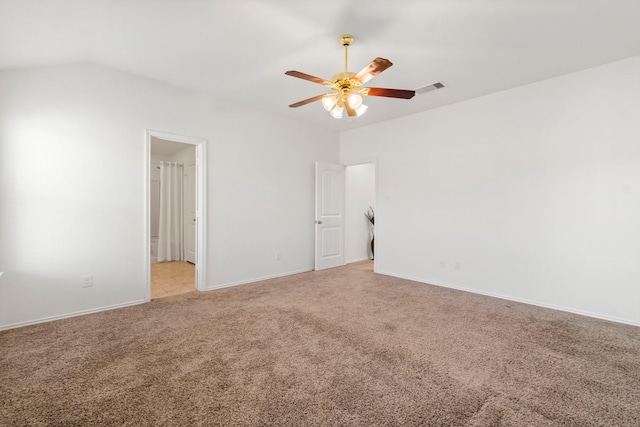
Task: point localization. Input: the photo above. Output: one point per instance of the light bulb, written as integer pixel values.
(361, 110)
(328, 102)
(337, 112)
(354, 100)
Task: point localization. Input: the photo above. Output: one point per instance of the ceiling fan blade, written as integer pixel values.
(307, 101)
(350, 111)
(391, 93)
(376, 66)
(304, 76)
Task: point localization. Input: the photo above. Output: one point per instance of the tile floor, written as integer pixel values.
(172, 278)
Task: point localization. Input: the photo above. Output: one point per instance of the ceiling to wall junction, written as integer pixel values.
(239, 50)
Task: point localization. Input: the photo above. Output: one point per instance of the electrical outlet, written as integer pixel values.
(87, 281)
(443, 264)
(278, 256)
(457, 265)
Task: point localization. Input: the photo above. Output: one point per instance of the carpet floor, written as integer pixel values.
(337, 347)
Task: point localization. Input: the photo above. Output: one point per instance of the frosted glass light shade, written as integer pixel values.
(328, 102)
(355, 100)
(361, 110)
(337, 112)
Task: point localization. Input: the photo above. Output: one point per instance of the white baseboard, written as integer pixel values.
(521, 300)
(259, 279)
(67, 315)
(127, 304)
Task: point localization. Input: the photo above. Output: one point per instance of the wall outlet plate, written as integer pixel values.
(87, 281)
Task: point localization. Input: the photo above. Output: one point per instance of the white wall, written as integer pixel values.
(184, 153)
(72, 154)
(186, 156)
(534, 191)
(359, 195)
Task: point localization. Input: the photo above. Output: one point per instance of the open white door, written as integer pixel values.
(190, 226)
(329, 216)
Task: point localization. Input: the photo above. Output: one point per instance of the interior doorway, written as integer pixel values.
(360, 202)
(346, 203)
(175, 226)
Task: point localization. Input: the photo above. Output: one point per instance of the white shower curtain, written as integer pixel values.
(170, 233)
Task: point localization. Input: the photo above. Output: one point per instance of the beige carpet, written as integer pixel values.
(338, 347)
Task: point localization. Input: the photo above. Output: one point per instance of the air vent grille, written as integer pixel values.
(435, 86)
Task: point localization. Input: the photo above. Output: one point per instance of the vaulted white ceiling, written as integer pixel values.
(239, 49)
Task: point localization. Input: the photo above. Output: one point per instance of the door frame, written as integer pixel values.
(201, 205)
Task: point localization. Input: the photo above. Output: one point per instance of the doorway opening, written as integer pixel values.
(175, 221)
(360, 203)
(345, 198)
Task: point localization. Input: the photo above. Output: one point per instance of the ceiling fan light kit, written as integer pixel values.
(347, 87)
(336, 112)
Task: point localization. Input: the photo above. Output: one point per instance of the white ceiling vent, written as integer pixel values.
(429, 88)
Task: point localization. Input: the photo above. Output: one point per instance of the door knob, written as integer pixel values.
(318, 222)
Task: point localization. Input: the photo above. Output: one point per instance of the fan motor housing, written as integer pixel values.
(345, 81)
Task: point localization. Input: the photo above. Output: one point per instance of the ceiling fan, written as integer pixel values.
(347, 86)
